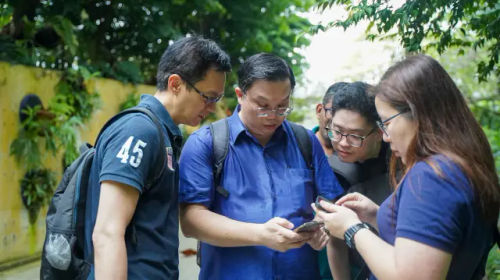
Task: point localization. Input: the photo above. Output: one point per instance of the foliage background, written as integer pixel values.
(463, 35)
(125, 39)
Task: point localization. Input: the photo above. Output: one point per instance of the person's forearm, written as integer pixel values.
(378, 255)
(338, 259)
(110, 257)
(218, 230)
(373, 220)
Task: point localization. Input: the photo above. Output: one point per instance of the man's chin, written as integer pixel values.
(196, 121)
(346, 157)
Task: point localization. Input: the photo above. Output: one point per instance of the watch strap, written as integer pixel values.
(350, 232)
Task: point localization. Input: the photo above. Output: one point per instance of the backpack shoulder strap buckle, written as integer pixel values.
(220, 147)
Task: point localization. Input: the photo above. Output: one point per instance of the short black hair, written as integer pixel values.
(332, 90)
(264, 66)
(355, 97)
(191, 58)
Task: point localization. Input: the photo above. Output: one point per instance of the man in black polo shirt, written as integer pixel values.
(360, 156)
(190, 79)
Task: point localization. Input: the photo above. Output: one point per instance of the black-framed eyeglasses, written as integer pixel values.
(208, 99)
(328, 111)
(352, 139)
(383, 124)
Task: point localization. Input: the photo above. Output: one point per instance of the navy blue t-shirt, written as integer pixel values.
(128, 152)
(439, 210)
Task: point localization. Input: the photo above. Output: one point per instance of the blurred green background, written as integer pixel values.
(123, 40)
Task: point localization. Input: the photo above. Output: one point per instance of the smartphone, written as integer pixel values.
(311, 226)
(320, 198)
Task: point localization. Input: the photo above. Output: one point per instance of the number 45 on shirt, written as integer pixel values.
(136, 157)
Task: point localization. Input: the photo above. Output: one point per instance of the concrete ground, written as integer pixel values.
(188, 269)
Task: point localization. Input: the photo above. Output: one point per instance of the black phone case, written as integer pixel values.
(320, 198)
(308, 227)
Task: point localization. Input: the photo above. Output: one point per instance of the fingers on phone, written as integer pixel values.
(348, 197)
(297, 244)
(283, 222)
(292, 236)
(326, 206)
(351, 204)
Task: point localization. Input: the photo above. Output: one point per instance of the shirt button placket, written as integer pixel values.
(273, 195)
(269, 173)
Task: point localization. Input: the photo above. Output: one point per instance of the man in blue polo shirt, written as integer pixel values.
(248, 234)
(133, 232)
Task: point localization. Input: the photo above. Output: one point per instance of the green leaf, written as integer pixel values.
(64, 28)
(128, 72)
(6, 12)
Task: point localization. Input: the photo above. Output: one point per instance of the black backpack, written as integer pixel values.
(63, 249)
(220, 147)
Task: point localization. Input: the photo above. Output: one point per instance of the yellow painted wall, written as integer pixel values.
(18, 239)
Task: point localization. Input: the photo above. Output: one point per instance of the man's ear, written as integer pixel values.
(319, 108)
(175, 83)
(239, 93)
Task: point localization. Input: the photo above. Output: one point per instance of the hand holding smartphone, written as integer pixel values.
(320, 198)
(311, 226)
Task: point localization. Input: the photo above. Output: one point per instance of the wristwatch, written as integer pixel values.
(350, 232)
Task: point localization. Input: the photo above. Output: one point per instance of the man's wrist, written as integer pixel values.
(256, 234)
(350, 233)
(351, 224)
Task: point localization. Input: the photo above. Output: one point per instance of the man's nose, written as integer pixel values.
(386, 138)
(343, 141)
(211, 107)
(272, 115)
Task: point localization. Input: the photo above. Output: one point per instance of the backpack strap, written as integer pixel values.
(304, 142)
(131, 229)
(156, 121)
(220, 147)
(347, 170)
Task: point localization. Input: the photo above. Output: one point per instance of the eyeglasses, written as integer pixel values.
(328, 112)
(278, 112)
(208, 99)
(352, 139)
(383, 124)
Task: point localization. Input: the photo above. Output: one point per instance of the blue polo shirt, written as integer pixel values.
(263, 182)
(439, 210)
(128, 152)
